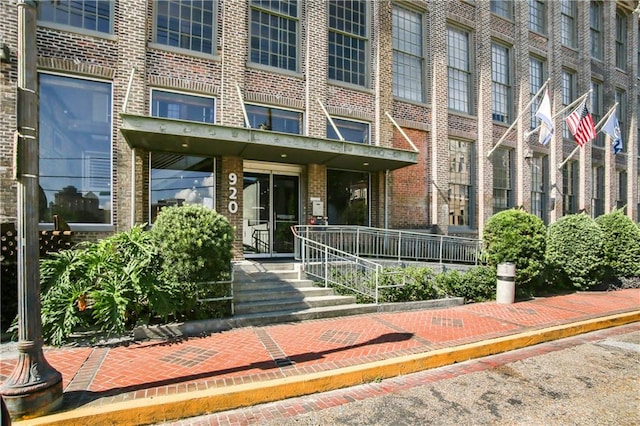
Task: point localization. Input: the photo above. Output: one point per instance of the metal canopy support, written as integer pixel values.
(244, 108)
(518, 118)
(402, 132)
(326, 113)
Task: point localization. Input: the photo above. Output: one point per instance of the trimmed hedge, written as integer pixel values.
(575, 252)
(518, 237)
(621, 239)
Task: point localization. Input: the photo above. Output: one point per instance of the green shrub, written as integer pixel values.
(195, 246)
(621, 239)
(104, 287)
(478, 284)
(575, 255)
(518, 237)
(407, 284)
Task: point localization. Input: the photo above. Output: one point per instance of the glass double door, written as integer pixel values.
(271, 206)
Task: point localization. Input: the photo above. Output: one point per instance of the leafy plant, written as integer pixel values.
(575, 252)
(518, 237)
(406, 284)
(478, 284)
(621, 243)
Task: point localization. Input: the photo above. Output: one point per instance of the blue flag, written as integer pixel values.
(612, 128)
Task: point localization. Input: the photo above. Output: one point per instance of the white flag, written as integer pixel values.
(544, 114)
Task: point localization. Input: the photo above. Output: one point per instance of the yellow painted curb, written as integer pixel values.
(190, 404)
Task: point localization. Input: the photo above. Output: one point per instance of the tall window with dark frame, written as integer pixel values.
(92, 15)
(348, 41)
(75, 122)
(177, 179)
(621, 113)
(597, 111)
(539, 173)
(408, 54)
(570, 187)
(186, 24)
(536, 80)
(567, 81)
(537, 16)
(597, 35)
(274, 33)
(597, 191)
(460, 182)
(568, 33)
(502, 179)
(621, 201)
(502, 8)
(459, 70)
(621, 41)
(501, 81)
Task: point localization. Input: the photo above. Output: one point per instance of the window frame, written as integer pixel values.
(596, 19)
(539, 195)
(468, 185)
(253, 6)
(505, 116)
(597, 191)
(621, 37)
(570, 175)
(534, 86)
(364, 76)
(508, 171)
(502, 8)
(277, 108)
(90, 226)
(538, 16)
(620, 96)
(467, 73)
(421, 59)
(597, 111)
(186, 50)
(338, 120)
(76, 29)
(568, 95)
(568, 24)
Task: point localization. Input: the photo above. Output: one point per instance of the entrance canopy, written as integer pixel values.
(192, 138)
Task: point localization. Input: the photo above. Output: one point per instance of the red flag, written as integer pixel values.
(581, 124)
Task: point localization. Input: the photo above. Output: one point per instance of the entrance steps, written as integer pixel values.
(275, 292)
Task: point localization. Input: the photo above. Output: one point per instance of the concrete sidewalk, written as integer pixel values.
(155, 381)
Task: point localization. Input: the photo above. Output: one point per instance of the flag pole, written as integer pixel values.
(518, 118)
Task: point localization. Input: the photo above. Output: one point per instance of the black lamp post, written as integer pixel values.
(34, 387)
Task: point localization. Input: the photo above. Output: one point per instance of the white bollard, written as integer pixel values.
(506, 291)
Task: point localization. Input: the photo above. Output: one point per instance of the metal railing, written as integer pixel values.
(354, 256)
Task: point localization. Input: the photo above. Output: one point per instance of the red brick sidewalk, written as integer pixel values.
(104, 375)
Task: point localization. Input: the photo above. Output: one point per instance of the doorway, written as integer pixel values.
(271, 200)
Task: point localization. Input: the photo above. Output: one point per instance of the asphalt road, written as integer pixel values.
(593, 379)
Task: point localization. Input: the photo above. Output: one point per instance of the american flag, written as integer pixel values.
(581, 124)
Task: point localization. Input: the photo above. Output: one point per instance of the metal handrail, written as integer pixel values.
(354, 257)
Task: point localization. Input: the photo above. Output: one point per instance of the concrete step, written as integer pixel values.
(291, 304)
(251, 294)
(270, 284)
(260, 319)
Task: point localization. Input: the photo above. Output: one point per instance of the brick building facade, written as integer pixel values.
(227, 103)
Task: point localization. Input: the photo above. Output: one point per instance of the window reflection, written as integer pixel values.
(278, 120)
(75, 150)
(347, 198)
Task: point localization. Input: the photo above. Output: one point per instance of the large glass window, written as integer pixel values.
(536, 80)
(502, 179)
(460, 182)
(459, 70)
(568, 87)
(277, 120)
(186, 24)
(537, 20)
(352, 131)
(92, 15)
(348, 38)
(348, 197)
(568, 34)
(597, 110)
(75, 150)
(597, 191)
(502, 8)
(570, 187)
(539, 173)
(621, 113)
(501, 81)
(621, 201)
(408, 55)
(597, 35)
(274, 33)
(621, 41)
(178, 179)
